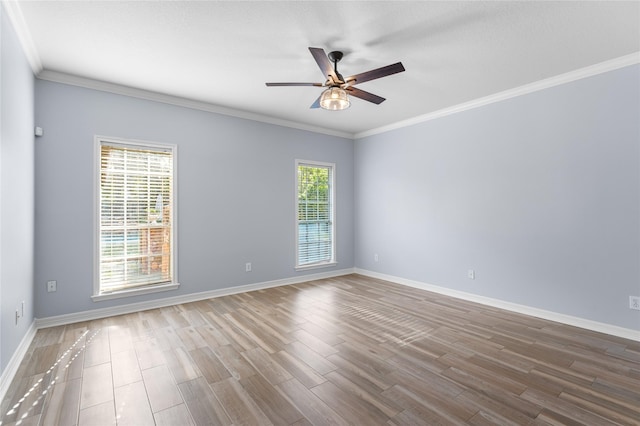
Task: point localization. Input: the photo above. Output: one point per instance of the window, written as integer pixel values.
(136, 232)
(315, 236)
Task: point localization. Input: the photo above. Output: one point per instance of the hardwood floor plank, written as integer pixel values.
(174, 316)
(97, 385)
(208, 363)
(132, 405)
(314, 360)
(508, 399)
(298, 369)
(190, 338)
(236, 337)
(503, 382)
(239, 406)
(120, 339)
(440, 398)
(149, 353)
(97, 350)
(168, 338)
(212, 336)
(313, 408)
(20, 398)
(265, 341)
(101, 414)
(234, 362)
(585, 396)
(365, 391)
(570, 412)
(490, 410)
(155, 319)
(125, 368)
(266, 328)
(321, 333)
(417, 410)
(172, 416)
(344, 350)
(267, 366)
(362, 370)
(181, 365)
(64, 404)
(161, 388)
(351, 408)
(202, 403)
(270, 400)
(42, 358)
(615, 413)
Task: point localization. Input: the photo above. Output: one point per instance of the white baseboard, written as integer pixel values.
(600, 327)
(14, 363)
(169, 301)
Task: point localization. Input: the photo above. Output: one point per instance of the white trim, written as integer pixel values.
(103, 86)
(316, 266)
(20, 26)
(557, 80)
(153, 288)
(600, 327)
(187, 298)
(14, 363)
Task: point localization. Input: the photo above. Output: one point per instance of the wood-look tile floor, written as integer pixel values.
(347, 350)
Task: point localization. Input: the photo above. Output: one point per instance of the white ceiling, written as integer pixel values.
(222, 53)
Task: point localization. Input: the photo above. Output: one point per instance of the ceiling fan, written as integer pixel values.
(335, 97)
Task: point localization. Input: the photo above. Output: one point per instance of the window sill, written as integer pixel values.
(316, 266)
(134, 292)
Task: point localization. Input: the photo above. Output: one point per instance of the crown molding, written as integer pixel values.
(599, 68)
(592, 70)
(24, 36)
(74, 80)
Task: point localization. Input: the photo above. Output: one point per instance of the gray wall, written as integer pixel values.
(236, 193)
(539, 194)
(16, 190)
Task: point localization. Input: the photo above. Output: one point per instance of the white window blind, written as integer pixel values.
(135, 216)
(315, 233)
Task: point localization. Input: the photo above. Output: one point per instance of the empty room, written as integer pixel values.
(319, 212)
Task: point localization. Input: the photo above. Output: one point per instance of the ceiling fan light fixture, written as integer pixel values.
(334, 99)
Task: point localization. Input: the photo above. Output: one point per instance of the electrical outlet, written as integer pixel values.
(471, 274)
(52, 286)
(634, 302)
(17, 316)
(247, 267)
(375, 257)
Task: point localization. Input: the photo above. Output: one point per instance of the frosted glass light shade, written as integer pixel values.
(334, 99)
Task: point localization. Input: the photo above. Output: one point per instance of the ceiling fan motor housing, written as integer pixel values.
(335, 56)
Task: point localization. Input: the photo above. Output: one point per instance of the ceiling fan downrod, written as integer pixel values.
(335, 57)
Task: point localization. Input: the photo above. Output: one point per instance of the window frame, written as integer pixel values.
(152, 288)
(332, 212)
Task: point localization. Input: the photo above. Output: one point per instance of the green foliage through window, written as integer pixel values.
(315, 221)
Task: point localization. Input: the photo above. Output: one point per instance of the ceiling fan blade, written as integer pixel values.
(316, 104)
(359, 93)
(293, 84)
(323, 62)
(377, 73)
